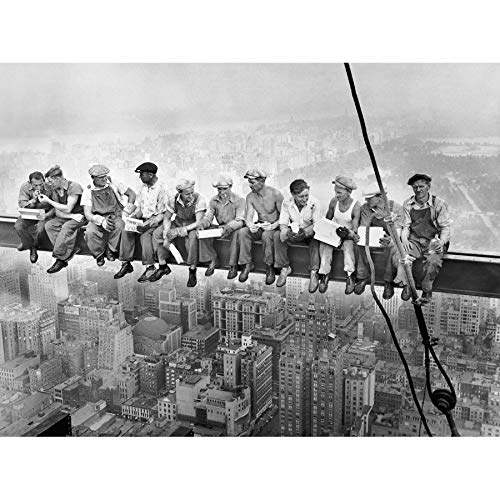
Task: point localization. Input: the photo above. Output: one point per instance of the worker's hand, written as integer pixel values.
(267, 226)
(43, 198)
(385, 241)
(355, 236)
(284, 235)
(172, 234)
(182, 231)
(77, 217)
(226, 231)
(406, 245)
(129, 209)
(253, 228)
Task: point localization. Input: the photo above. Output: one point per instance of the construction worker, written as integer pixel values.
(62, 230)
(345, 211)
(298, 215)
(150, 203)
(189, 208)
(425, 234)
(103, 208)
(30, 231)
(228, 208)
(265, 201)
(372, 215)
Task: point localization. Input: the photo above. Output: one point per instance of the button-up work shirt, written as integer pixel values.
(151, 200)
(290, 213)
(27, 193)
(440, 215)
(69, 188)
(230, 212)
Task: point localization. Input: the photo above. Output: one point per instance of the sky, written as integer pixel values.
(38, 100)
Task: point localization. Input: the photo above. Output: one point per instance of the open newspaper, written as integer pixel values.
(325, 231)
(375, 234)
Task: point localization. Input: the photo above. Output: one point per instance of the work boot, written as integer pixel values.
(110, 255)
(313, 282)
(20, 247)
(350, 284)
(211, 268)
(125, 269)
(57, 266)
(192, 278)
(406, 294)
(285, 272)
(360, 286)
(388, 290)
(163, 270)
(270, 274)
(323, 283)
(233, 272)
(100, 260)
(146, 274)
(244, 274)
(426, 297)
(33, 255)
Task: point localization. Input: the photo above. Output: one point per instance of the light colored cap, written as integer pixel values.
(373, 190)
(254, 173)
(97, 170)
(223, 181)
(184, 184)
(344, 182)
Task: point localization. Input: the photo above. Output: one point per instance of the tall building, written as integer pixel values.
(202, 339)
(115, 345)
(152, 375)
(359, 392)
(237, 312)
(177, 311)
(202, 294)
(294, 287)
(47, 375)
(231, 356)
(10, 288)
(256, 373)
(46, 290)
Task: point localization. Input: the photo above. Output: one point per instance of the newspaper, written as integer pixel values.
(325, 231)
(132, 224)
(375, 234)
(210, 233)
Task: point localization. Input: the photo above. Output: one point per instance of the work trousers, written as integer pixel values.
(326, 255)
(363, 268)
(127, 246)
(208, 253)
(431, 263)
(246, 239)
(62, 234)
(190, 242)
(281, 252)
(29, 232)
(99, 240)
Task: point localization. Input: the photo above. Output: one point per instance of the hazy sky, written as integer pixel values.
(52, 99)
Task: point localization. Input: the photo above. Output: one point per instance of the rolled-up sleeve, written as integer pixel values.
(161, 200)
(284, 219)
(316, 212)
(24, 196)
(406, 214)
(443, 220)
(239, 217)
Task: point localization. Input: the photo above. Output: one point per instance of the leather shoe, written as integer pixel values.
(110, 255)
(192, 278)
(233, 272)
(313, 282)
(360, 286)
(270, 274)
(211, 268)
(426, 297)
(146, 274)
(33, 255)
(57, 266)
(350, 284)
(283, 276)
(20, 247)
(125, 269)
(160, 272)
(388, 290)
(323, 283)
(100, 260)
(406, 294)
(244, 274)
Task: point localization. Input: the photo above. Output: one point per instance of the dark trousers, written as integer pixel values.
(190, 242)
(29, 232)
(208, 253)
(281, 252)
(62, 234)
(246, 239)
(127, 246)
(98, 239)
(363, 269)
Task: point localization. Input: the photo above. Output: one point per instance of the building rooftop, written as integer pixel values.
(143, 401)
(200, 332)
(83, 414)
(152, 327)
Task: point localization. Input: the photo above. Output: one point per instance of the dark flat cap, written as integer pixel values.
(418, 177)
(147, 167)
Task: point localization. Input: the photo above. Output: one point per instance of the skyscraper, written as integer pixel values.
(359, 391)
(115, 345)
(10, 289)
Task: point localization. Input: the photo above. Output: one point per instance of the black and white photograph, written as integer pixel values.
(242, 248)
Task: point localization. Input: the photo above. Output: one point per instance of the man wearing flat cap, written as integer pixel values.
(62, 230)
(103, 207)
(298, 215)
(150, 203)
(228, 208)
(345, 211)
(189, 208)
(30, 231)
(265, 201)
(425, 234)
(373, 214)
